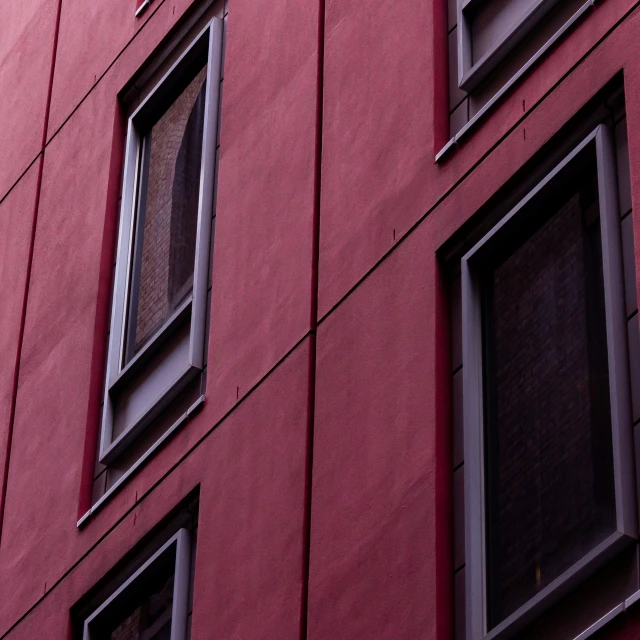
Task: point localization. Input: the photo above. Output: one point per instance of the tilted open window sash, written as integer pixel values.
(153, 355)
(596, 153)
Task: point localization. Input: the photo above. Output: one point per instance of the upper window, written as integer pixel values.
(166, 217)
(489, 29)
(157, 338)
(493, 42)
(548, 463)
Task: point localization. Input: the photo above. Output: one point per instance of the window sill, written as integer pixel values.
(142, 421)
(158, 338)
(453, 142)
(183, 419)
(631, 601)
(598, 557)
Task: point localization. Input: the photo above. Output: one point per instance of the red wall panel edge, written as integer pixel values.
(313, 327)
(443, 457)
(102, 312)
(16, 375)
(440, 76)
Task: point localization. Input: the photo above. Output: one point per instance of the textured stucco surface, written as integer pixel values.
(379, 508)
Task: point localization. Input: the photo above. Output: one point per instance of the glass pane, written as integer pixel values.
(549, 462)
(151, 620)
(164, 254)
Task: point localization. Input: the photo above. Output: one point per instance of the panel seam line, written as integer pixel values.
(313, 323)
(142, 496)
(25, 298)
(494, 147)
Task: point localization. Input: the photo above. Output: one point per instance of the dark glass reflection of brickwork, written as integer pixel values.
(151, 620)
(170, 214)
(549, 468)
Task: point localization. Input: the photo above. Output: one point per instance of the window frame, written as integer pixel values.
(473, 398)
(141, 7)
(181, 540)
(118, 374)
(471, 74)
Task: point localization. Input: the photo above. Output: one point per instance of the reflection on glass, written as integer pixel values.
(151, 620)
(167, 215)
(549, 464)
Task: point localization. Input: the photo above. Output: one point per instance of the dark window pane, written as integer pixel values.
(164, 255)
(151, 620)
(549, 462)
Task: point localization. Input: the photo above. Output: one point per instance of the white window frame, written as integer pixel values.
(164, 382)
(179, 545)
(470, 73)
(600, 142)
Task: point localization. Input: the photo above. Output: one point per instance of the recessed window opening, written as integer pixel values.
(160, 300)
(148, 594)
(549, 462)
(492, 44)
(152, 604)
(549, 480)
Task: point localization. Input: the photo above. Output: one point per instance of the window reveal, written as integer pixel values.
(167, 215)
(157, 339)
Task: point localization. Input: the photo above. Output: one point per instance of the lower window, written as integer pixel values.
(153, 604)
(549, 478)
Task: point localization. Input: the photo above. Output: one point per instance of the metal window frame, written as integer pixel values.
(180, 545)
(599, 142)
(142, 7)
(119, 373)
(471, 74)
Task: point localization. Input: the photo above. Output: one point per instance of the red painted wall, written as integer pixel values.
(371, 379)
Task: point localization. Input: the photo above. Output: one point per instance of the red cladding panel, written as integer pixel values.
(264, 224)
(380, 538)
(379, 174)
(378, 145)
(251, 525)
(51, 417)
(251, 529)
(373, 560)
(26, 45)
(16, 221)
(92, 36)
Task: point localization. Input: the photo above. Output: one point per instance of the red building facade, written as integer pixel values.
(310, 477)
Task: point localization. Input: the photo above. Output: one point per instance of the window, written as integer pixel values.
(492, 43)
(153, 603)
(147, 594)
(157, 338)
(488, 31)
(549, 479)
